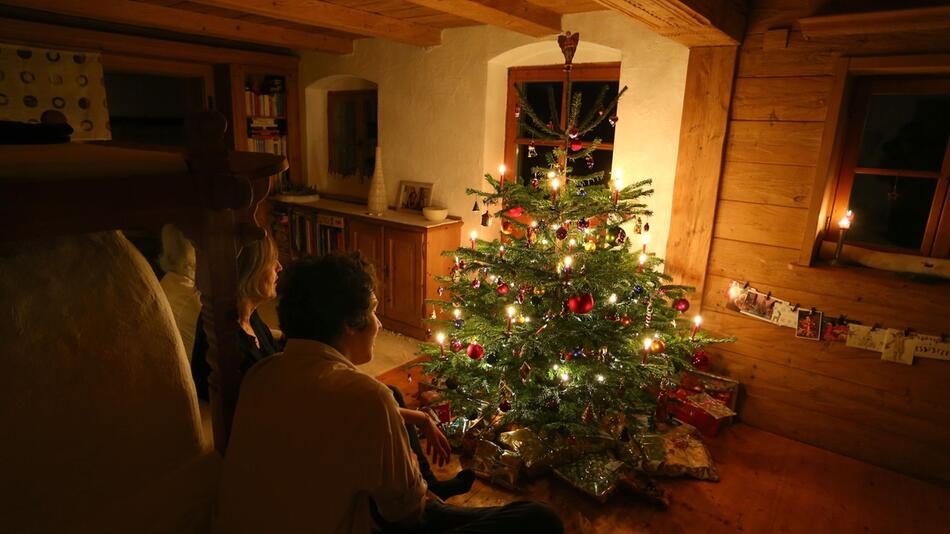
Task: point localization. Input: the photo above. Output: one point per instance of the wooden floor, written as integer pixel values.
(768, 484)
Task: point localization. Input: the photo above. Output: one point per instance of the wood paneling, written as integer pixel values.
(776, 185)
(897, 20)
(404, 268)
(760, 223)
(689, 22)
(515, 15)
(709, 77)
(787, 143)
(781, 99)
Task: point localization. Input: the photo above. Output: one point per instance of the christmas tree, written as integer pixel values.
(566, 319)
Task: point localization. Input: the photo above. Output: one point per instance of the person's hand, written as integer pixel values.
(437, 445)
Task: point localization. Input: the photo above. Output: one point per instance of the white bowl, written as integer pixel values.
(435, 213)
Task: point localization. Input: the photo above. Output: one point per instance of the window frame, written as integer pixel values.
(937, 232)
(830, 154)
(580, 72)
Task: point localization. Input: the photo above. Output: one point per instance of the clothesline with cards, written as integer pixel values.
(895, 345)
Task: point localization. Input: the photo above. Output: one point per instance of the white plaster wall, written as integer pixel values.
(441, 109)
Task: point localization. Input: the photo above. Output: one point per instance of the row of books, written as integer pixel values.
(265, 104)
(307, 236)
(269, 143)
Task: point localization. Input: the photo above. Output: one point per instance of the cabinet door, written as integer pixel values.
(404, 270)
(367, 238)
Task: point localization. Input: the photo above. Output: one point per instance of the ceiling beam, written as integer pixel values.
(337, 17)
(689, 22)
(515, 15)
(177, 20)
(903, 20)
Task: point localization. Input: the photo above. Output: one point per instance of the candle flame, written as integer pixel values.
(511, 311)
(697, 321)
(555, 183)
(440, 337)
(501, 169)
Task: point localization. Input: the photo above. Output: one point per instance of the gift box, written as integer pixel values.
(496, 465)
(704, 412)
(596, 474)
(719, 387)
(672, 451)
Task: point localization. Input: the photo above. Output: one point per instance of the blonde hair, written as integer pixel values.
(253, 261)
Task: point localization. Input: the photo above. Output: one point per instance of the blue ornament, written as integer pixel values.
(581, 192)
(637, 290)
(578, 352)
(459, 323)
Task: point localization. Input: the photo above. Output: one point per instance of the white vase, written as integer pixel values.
(376, 200)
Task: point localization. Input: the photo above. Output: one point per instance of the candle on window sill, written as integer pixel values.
(843, 226)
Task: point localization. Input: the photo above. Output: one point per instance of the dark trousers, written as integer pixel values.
(438, 518)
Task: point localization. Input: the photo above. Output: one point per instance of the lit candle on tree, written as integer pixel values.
(511, 315)
(570, 244)
(555, 184)
(645, 237)
(567, 266)
(501, 176)
(473, 236)
(440, 338)
(501, 251)
(696, 322)
(643, 259)
(647, 343)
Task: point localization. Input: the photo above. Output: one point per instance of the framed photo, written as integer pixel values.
(809, 325)
(413, 196)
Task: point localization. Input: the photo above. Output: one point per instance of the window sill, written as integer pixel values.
(877, 263)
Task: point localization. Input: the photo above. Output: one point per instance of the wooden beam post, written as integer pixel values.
(337, 17)
(179, 20)
(709, 80)
(515, 15)
(689, 22)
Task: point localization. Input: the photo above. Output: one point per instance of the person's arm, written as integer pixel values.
(398, 488)
(437, 445)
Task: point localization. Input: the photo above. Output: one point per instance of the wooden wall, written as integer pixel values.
(828, 395)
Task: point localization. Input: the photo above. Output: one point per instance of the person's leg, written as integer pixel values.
(463, 480)
(513, 518)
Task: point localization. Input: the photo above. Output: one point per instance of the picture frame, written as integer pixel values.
(413, 196)
(809, 325)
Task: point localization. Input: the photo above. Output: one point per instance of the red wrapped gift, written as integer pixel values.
(701, 410)
(718, 387)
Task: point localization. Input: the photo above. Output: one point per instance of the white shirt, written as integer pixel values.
(185, 301)
(313, 439)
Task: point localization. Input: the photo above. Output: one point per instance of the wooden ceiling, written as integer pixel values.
(332, 25)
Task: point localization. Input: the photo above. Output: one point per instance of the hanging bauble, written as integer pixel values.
(536, 300)
(590, 245)
(504, 405)
(612, 233)
(581, 304)
(581, 192)
(461, 264)
(561, 233)
(475, 207)
(455, 344)
(440, 291)
(520, 297)
(588, 416)
(613, 120)
(532, 152)
(475, 351)
(576, 145)
(646, 227)
(550, 125)
(680, 305)
(657, 346)
(476, 283)
(625, 320)
(578, 352)
(538, 290)
(451, 383)
(637, 289)
(701, 360)
(507, 227)
(486, 218)
(459, 323)
(567, 356)
(583, 224)
(524, 371)
(517, 111)
(589, 160)
(572, 133)
(515, 212)
(502, 289)
(535, 183)
(621, 236)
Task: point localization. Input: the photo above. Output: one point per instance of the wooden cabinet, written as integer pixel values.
(404, 248)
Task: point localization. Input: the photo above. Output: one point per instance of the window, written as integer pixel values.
(545, 88)
(351, 128)
(895, 165)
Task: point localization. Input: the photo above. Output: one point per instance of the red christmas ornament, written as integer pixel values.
(507, 227)
(561, 233)
(701, 360)
(581, 304)
(502, 289)
(625, 320)
(572, 133)
(515, 212)
(455, 345)
(504, 405)
(475, 351)
(680, 305)
(576, 145)
(476, 283)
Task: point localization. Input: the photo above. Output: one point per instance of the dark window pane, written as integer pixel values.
(601, 161)
(890, 210)
(151, 109)
(590, 91)
(539, 98)
(905, 132)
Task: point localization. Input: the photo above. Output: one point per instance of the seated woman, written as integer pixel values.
(258, 268)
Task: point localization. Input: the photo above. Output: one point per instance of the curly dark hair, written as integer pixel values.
(319, 296)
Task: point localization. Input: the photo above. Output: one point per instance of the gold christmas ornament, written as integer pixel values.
(658, 346)
(525, 371)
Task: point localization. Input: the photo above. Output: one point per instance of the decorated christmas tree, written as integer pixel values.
(565, 319)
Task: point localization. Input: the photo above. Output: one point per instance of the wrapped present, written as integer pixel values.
(643, 486)
(554, 445)
(442, 412)
(594, 474)
(456, 429)
(706, 413)
(718, 387)
(481, 428)
(496, 465)
(672, 451)
(535, 454)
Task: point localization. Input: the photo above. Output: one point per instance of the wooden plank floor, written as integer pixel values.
(768, 484)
